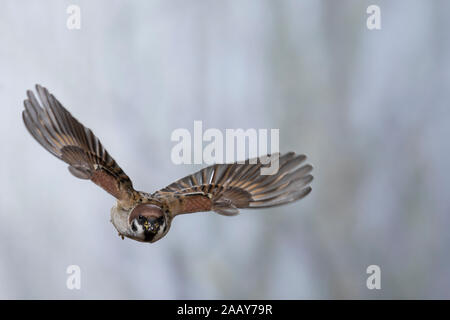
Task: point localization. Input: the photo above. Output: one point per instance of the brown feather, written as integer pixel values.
(67, 139)
(225, 188)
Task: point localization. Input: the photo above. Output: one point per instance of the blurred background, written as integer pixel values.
(369, 108)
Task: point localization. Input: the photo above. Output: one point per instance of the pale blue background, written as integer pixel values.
(369, 108)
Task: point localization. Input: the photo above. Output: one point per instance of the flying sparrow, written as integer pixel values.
(222, 188)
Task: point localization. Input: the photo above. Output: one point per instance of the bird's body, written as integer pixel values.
(120, 218)
(222, 188)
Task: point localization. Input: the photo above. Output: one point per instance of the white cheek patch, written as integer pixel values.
(160, 230)
(139, 229)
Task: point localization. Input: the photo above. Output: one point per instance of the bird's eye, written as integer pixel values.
(140, 217)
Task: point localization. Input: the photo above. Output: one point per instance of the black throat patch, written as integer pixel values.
(148, 235)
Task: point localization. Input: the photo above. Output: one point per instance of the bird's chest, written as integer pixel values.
(119, 218)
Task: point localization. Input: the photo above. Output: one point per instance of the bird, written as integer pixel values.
(146, 217)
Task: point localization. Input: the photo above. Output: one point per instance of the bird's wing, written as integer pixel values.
(225, 188)
(67, 139)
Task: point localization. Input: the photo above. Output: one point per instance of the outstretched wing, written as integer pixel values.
(225, 188)
(67, 139)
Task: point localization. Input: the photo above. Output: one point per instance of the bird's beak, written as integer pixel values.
(146, 225)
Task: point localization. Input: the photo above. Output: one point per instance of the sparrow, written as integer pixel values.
(145, 217)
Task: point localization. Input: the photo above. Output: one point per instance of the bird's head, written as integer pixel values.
(147, 223)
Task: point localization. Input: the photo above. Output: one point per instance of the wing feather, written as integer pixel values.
(67, 139)
(226, 188)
